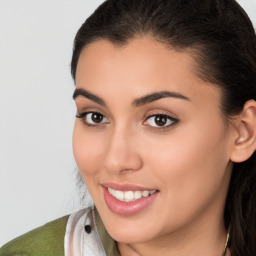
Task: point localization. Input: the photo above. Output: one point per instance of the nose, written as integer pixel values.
(123, 153)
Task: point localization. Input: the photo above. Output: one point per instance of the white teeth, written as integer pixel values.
(129, 196)
(119, 195)
(145, 193)
(152, 192)
(137, 195)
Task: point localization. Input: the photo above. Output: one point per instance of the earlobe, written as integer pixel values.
(245, 140)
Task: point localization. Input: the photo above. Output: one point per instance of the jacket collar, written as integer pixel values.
(108, 242)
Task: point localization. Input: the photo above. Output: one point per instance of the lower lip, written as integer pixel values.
(128, 208)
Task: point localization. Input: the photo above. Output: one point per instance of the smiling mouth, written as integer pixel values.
(130, 196)
(128, 199)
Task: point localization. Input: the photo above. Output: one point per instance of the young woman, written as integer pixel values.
(165, 133)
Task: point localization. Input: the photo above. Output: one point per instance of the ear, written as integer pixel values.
(244, 143)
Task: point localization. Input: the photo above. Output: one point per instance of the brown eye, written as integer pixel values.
(160, 120)
(96, 117)
(93, 118)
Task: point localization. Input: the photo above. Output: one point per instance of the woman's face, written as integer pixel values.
(148, 123)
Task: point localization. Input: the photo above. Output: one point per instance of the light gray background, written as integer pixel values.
(37, 112)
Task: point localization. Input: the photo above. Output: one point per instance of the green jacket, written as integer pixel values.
(48, 240)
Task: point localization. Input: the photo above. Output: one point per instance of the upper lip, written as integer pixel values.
(125, 187)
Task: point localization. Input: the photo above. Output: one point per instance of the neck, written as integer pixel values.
(205, 240)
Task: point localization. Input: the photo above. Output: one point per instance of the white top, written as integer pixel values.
(77, 241)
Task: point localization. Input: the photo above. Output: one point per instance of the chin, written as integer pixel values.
(130, 231)
(137, 236)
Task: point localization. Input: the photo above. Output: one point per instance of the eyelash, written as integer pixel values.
(173, 121)
(84, 115)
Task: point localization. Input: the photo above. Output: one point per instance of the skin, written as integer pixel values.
(189, 162)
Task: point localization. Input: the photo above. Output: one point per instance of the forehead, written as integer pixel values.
(141, 66)
(141, 54)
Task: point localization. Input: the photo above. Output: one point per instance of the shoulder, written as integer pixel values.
(45, 240)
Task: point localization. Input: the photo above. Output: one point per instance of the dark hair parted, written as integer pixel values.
(221, 38)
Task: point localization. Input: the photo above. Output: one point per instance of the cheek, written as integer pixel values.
(87, 149)
(189, 163)
(190, 173)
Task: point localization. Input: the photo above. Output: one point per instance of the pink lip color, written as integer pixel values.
(127, 208)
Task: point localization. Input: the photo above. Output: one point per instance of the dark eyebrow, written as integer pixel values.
(88, 95)
(157, 96)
